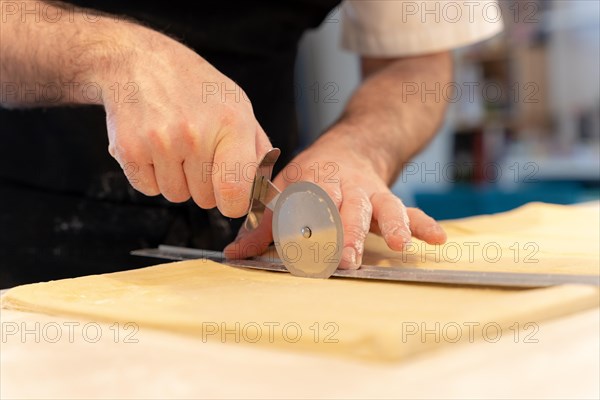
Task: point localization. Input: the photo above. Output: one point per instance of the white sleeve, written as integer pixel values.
(390, 28)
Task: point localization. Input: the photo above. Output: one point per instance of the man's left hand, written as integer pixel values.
(363, 198)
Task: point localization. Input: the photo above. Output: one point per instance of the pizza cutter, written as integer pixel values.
(307, 227)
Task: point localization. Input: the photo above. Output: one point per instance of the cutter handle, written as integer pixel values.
(264, 193)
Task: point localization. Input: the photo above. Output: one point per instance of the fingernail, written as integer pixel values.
(359, 260)
(349, 256)
(404, 234)
(400, 231)
(438, 231)
(435, 229)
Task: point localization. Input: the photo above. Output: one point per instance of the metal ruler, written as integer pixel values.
(404, 274)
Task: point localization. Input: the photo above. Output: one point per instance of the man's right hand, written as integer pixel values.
(189, 131)
(176, 125)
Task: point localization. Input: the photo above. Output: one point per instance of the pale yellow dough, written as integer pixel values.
(366, 319)
(535, 238)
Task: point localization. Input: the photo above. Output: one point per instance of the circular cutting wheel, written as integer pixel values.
(307, 231)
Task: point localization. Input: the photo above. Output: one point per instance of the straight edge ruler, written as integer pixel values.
(402, 274)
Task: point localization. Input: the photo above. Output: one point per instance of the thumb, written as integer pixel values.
(263, 144)
(251, 243)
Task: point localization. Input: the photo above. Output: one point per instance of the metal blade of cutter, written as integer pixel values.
(371, 272)
(308, 231)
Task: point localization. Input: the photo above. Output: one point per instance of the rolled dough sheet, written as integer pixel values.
(534, 238)
(380, 321)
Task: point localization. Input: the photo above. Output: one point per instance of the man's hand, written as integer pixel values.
(363, 198)
(183, 136)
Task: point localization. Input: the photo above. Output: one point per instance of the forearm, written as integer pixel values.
(385, 120)
(48, 57)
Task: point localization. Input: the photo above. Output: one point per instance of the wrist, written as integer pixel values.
(355, 141)
(110, 56)
(112, 60)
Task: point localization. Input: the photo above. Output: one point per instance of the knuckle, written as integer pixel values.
(123, 150)
(188, 134)
(129, 155)
(360, 202)
(388, 206)
(386, 198)
(392, 228)
(159, 140)
(236, 120)
(231, 119)
(395, 201)
(227, 116)
(361, 209)
(355, 233)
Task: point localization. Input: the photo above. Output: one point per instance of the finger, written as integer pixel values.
(235, 158)
(251, 243)
(168, 168)
(263, 144)
(392, 219)
(171, 179)
(199, 167)
(140, 174)
(198, 175)
(425, 228)
(255, 242)
(142, 178)
(356, 212)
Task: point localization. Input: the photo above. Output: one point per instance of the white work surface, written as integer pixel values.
(563, 364)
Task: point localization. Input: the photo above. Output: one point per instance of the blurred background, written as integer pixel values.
(523, 122)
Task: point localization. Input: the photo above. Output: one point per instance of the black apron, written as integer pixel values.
(66, 208)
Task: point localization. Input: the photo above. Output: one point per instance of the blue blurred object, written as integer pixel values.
(467, 200)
